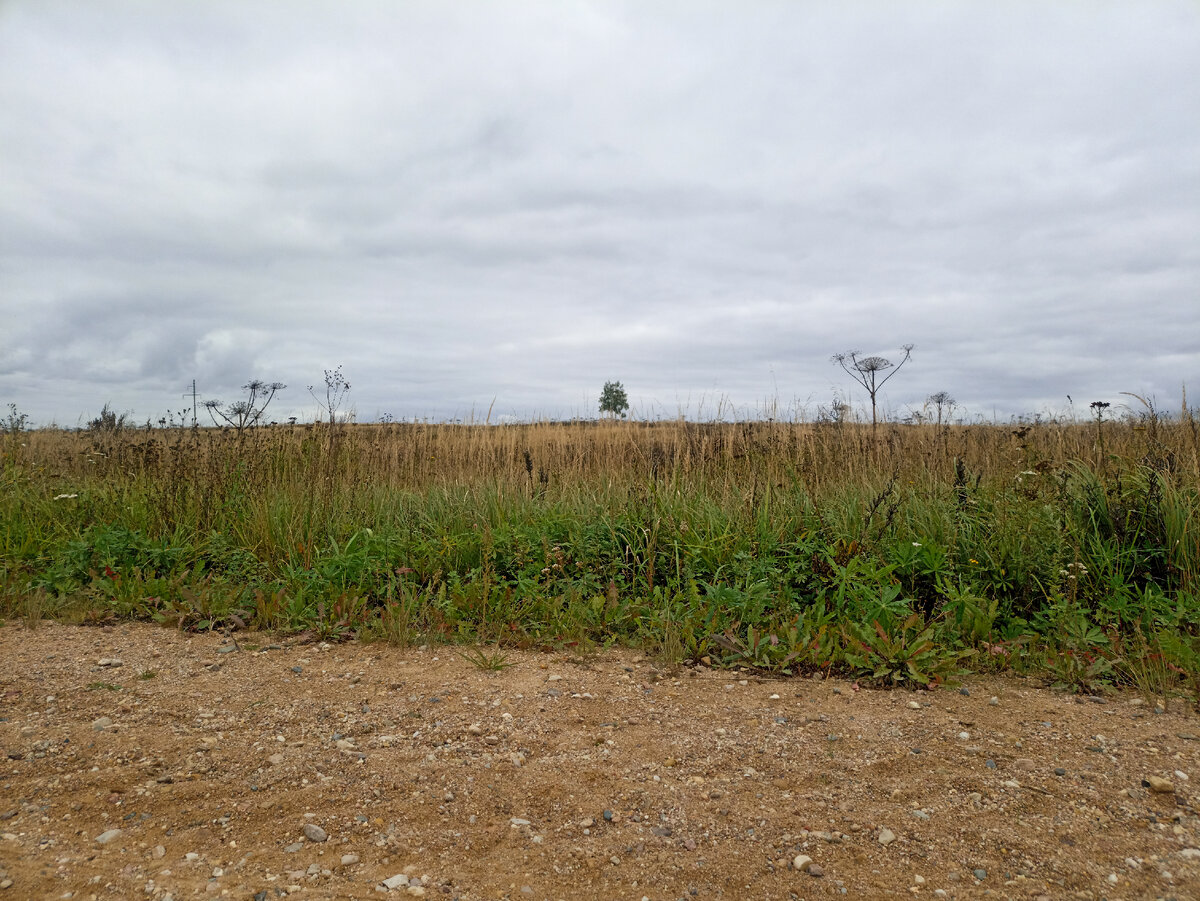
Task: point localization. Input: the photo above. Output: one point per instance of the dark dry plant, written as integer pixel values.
(867, 372)
(244, 414)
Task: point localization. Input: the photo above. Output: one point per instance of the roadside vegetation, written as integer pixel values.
(907, 556)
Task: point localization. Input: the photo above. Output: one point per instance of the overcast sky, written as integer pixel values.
(463, 202)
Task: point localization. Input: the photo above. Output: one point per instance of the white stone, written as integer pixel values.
(801, 863)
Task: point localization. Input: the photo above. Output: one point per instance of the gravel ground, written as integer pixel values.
(141, 762)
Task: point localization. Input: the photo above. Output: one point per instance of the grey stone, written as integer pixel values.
(314, 833)
(107, 836)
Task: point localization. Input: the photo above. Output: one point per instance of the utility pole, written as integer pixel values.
(193, 396)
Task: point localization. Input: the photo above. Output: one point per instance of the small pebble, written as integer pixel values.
(801, 863)
(100, 725)
(886, 836)
(314, 833)
(349, 859)
(107, 836)
(993, 701)
(966, 692)
(1059, 771)
(980, 873)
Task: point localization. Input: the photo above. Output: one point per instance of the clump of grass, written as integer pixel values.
(493, 661)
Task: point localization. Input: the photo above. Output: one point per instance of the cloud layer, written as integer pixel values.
(518, 201)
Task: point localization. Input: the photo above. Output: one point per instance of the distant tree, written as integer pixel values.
(866, 372)
(244, 414)
(613, 399)
(837, 413)
(108, 421)
(943, 402)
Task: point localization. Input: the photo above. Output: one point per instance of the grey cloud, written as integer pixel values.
(523, 200)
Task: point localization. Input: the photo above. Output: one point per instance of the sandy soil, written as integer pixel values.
(603, 776)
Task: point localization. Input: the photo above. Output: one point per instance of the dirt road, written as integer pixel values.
(141, 762)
